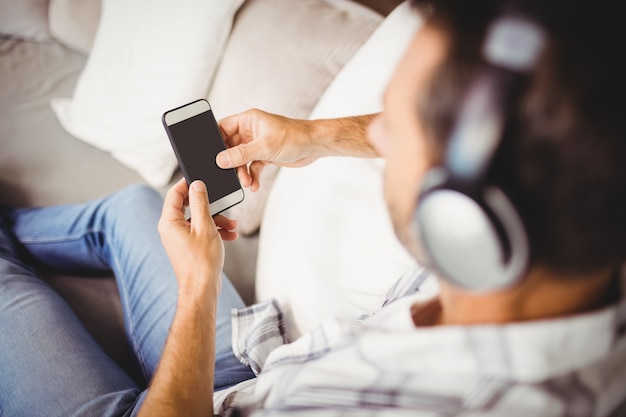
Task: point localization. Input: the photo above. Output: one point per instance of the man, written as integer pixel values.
(549, 343)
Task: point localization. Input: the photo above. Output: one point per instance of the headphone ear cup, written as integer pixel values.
(459, 240)
(514, 231)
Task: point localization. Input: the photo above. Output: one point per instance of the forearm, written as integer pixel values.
(342, 137)
(183, 382)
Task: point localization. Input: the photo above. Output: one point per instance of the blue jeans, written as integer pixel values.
(49, 364)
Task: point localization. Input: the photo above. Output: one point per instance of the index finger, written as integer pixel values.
(237, 128)
(174, 204)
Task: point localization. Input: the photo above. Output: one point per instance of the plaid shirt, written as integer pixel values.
(384, 365)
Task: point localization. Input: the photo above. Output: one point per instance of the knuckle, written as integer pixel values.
(243, 154)
(171, 193)
(257, 167)
(200, 203)
(161, 228)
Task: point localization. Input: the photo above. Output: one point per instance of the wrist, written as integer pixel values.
(199, 286)
(341, 137)
(318, 138)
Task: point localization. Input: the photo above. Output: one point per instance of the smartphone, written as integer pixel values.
(196, 139)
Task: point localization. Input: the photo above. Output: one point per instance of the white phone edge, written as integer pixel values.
(226, 202)
(186, 112)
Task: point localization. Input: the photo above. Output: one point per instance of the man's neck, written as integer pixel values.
(540, 295)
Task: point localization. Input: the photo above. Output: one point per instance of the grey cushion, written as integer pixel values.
(40, 163)
(74, 23)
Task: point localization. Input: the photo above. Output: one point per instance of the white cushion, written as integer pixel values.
(327, 246)
(25, 19)
(148, 57)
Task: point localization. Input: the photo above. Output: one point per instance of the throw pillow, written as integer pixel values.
(74, 23)
(148, 57)
(281, 56)
(25, 19)
(327, 247)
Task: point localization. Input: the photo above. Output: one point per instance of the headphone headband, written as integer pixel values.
(514, 42)
(511, 48)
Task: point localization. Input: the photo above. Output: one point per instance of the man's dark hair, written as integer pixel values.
(565, 162)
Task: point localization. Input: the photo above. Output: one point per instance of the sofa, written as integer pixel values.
(60, 144)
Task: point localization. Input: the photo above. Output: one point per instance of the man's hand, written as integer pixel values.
(255, 138)
(183, 382)
(195, 247)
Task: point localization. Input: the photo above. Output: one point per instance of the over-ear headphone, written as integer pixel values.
(468, 229)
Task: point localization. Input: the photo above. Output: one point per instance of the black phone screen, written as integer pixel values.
(198, 141)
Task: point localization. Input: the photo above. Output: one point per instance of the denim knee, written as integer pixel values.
(137, 197)
(138, 194)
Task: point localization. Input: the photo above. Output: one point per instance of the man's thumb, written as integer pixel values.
(199, 204)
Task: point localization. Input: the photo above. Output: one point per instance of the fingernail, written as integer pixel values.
(198, 185)
(223, 159)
